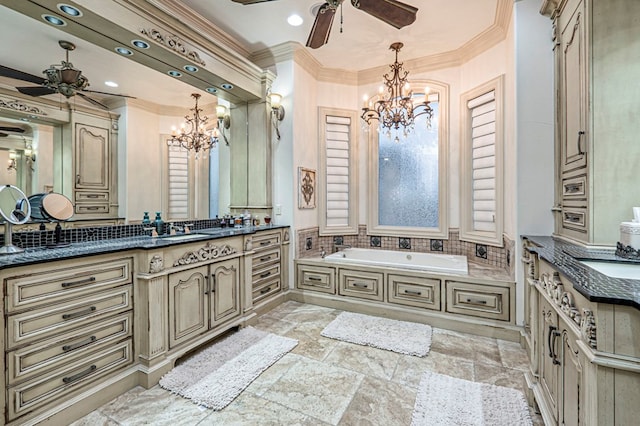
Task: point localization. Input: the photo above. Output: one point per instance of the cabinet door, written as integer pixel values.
(225, 291)
(188, 305)
(548, 355)
(573, 98)
(571, 407)
(91, 157)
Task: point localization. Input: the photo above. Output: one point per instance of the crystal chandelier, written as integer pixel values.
(197, 139)
(399, 109)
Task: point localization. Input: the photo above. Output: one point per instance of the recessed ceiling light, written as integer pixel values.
(295, 20)
(123, 51)
(54, 20)
(191, 68)
(211, 90)
(69, 10)
(111, 83)
(226, 86)
(174, 73)
(140, 44)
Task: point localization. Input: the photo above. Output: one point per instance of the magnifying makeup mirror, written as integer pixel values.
(52, 207)
(15, 209)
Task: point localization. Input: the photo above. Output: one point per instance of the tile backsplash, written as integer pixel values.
(309, 243)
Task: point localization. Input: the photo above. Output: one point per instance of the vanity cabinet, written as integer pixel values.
(584, 355)
(596, 141)
(267, 266)
(362, 284)
(202, 298)
(69, 329)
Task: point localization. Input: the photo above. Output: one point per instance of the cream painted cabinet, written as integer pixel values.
(595, 43)
(202, 298)
(548, 349)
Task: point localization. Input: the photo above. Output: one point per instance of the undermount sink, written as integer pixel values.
(182, 237)
(615, 269)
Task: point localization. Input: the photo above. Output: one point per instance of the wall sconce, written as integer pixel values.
(224, 121)
(13, 165)
(30, 156)
(277, 111)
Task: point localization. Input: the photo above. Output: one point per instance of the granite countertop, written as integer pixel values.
(593, 285)
(90, 248)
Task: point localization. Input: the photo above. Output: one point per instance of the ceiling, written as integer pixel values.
(441, 25)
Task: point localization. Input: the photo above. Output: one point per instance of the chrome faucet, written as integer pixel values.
(323, 253)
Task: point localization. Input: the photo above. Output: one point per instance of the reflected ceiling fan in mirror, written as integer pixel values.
(63, 79)
(392, 12)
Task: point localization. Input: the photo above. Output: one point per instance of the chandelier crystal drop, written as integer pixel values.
(400, 108)
(193, 134)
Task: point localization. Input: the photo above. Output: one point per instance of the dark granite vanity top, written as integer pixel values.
(90, 248)
(593, 285)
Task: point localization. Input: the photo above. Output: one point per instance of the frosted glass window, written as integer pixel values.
(408, 171)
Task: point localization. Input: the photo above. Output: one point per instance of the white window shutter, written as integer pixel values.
(178, 170)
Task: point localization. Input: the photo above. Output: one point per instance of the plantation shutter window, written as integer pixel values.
(178, 171)
(337, 173)
(481, 161)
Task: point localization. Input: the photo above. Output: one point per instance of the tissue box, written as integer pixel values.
(630, 234)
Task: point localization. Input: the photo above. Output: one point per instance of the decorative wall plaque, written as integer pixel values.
(208, 252)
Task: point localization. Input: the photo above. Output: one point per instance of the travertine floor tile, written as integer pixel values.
(499, 376)
(95, 418)
(410, 368)
(513, 355)
(364, 359)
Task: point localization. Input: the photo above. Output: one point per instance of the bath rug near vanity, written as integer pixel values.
(398, 336)
(215, 376)
(444, 400)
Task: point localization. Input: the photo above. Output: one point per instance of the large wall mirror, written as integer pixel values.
(161, 101)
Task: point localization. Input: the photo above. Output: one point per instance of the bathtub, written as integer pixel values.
(441, 263)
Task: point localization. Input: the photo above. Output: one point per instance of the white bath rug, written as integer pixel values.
(398, 336)
(217, 375)
(444, 400)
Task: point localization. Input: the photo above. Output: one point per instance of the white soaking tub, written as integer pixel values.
(441, 263)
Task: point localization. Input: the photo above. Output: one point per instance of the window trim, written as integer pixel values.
(467, 233)
(352, 227)
(442, 231)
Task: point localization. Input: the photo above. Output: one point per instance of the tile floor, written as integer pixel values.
(325, 381)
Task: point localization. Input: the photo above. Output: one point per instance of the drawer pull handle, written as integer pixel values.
(79, 313)
(413, 292)
(265, 275)
(92, 208)
(80, 375)
(80, 344)
(264, 259)
(79, 282)
(92, 196)
(360, 285)
(580, 133)
(265, 243)
(572, 188)
(477, 302)
(265, 290)
(572, 217)
(314, 279)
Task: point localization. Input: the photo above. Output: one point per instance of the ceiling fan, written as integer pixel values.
(63, 79)
(392, 12)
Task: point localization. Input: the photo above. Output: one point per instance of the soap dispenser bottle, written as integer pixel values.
(159, 224)
(145, 219)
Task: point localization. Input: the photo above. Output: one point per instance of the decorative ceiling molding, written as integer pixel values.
(18, 105)
(174, 43)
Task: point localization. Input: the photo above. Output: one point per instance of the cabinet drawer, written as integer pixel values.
(266, 290)
(92, 197)
(366, 285)
(265, 258)
(36, 359)
(265, 274)
(91, 208)
(478, 300)
(33, 394)
(316, 278)
(575, 187)
(46, 322)
(574, 220)
(264, 240)
(414, 291)
(59, 285)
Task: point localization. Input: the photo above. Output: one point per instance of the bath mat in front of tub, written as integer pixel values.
(215, 376)
(444, 400)
(398, 336)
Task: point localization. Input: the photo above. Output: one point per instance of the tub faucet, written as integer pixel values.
(323, 253)
(338, 247)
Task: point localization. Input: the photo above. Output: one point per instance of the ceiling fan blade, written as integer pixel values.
(321, 27)
(110, 94)
(36, 90)
(19, 75)
(251, 1)
(392, 12)
(11, 129)
(92, 101)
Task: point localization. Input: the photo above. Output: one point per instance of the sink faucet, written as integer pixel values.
(323, 253)
(338, 247)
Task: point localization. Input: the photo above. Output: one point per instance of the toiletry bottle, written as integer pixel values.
(246, 218)
(145, 219)
(159, 224)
